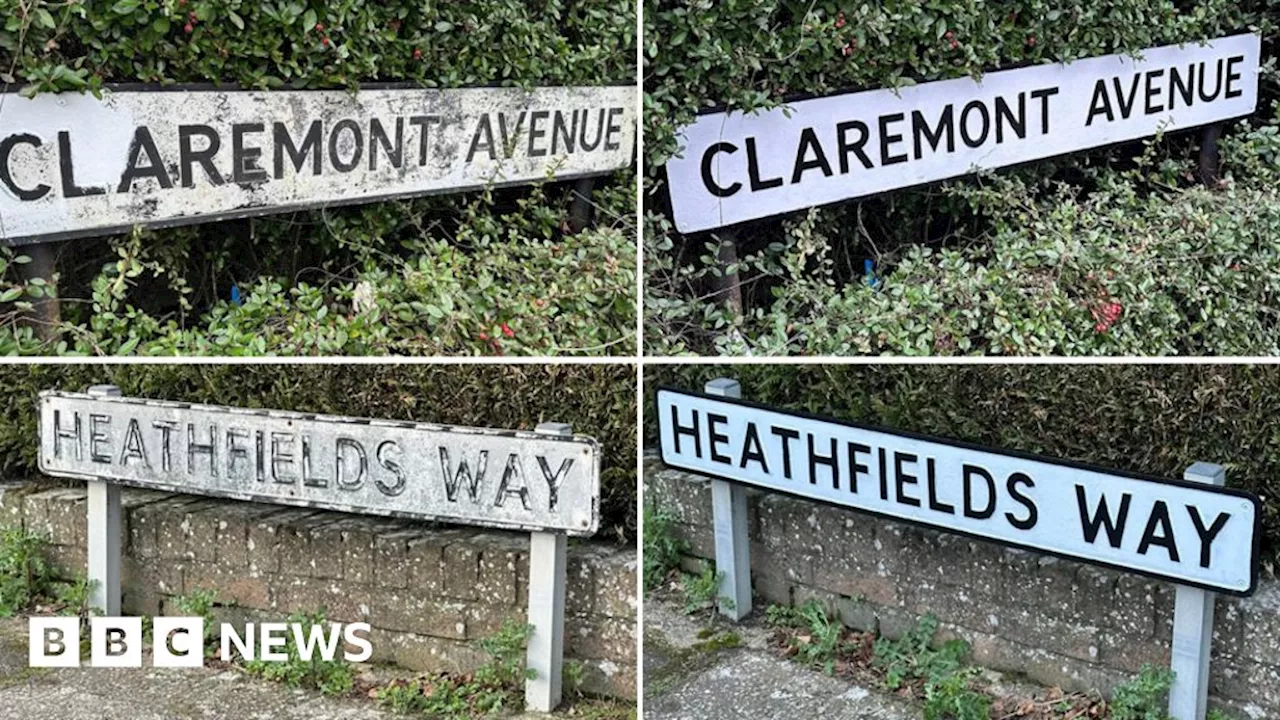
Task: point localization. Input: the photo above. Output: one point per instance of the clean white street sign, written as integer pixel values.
(1190, 533)
(498, 478)
(74, 165)
(735, 167)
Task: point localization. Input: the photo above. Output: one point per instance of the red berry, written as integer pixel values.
(954, 44)
(506, 330)
(1031, 41)
(324, 41)
(484, 336)
(417, 54)
(949, 35)
(319, 27)
(188, 28)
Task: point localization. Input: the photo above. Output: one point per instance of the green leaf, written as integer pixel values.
(235, 19)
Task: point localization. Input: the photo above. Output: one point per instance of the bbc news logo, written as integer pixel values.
(179, 641)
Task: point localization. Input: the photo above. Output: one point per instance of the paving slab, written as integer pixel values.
(687, 680)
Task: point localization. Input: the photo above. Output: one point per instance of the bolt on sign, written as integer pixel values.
(1193, 534)
(74, 165)
(498, 478)
(734, 167)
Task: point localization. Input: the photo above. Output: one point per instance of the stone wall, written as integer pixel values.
(1062, 623)
(429, 592)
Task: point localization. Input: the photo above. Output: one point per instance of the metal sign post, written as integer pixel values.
(545, 654)
(104, 535)
(1193, 627)
(729, 514)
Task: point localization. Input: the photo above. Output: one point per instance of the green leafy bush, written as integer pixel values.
(1114, 251)
(598, 400)
(662, 547)
(1144, 697)
(491, 272)
(1155, 419)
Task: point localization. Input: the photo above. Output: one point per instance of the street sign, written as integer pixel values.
(1191, 533)
(73, 165)
(735, 167)
(498, 478)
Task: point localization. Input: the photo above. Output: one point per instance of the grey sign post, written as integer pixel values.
(729, 514)
(104, 535)
(545, 482)
(1193, 627)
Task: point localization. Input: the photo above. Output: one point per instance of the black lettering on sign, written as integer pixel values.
(6, 172)
(1101, 516)
(67, 170)
(902, 479)
(357, 145)
(856, 468)
(832, 461)
(236, 451)
(1159, 520)
(984, 118)
(931, 482)
(855, 147)
(563, 132)
(1207, 536)
(1043, 96)
(536, 133)
(244, 158)
(297, 155)
(308, 472)
(707, 179)
(479, 143)
(512, 135)
(1150, 92)
(378, 138)
(140, 145)
(1217, 83)
(98, 438)
(717, 438)
(753, 169)
(281, 456)
(387, 454)
(210, 448)
(967, 473)
(1233, 76)
(133, 446)
(787, 436)
(340, 475)
(1017, 121)
(454, 479)
(808, 139)
(920, 130)
(513, 483)
(554, 479)
(189, 156)
(1033, 514)
(166, 428)
(887, 139)
(611, 141)
(424, 123)
(691, 430)
(588, 146)
(752, 450)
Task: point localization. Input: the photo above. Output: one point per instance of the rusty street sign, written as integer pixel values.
(73, 165)
(499, 478)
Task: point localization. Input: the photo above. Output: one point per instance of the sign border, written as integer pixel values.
(23, 240)
(596, 453)
(964, 445)
(787, 99)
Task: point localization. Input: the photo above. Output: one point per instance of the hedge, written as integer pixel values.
(1155, 419)
(1006, 262)
(473, 273)
(598, 400)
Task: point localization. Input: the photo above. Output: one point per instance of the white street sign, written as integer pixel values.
(498, 478)
(1189, 533)
(735, 167)
(73, 165)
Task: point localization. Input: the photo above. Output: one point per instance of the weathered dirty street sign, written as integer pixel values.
(1193, 534)
(499, 478)
(735, 167)
(73, 165)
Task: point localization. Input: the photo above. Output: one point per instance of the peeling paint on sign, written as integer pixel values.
(497, 478)
(73, 165)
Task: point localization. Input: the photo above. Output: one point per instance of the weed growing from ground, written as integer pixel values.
(662, 549)
(331, 677)
(1144, 697)
(28, 580)
(496, 686)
